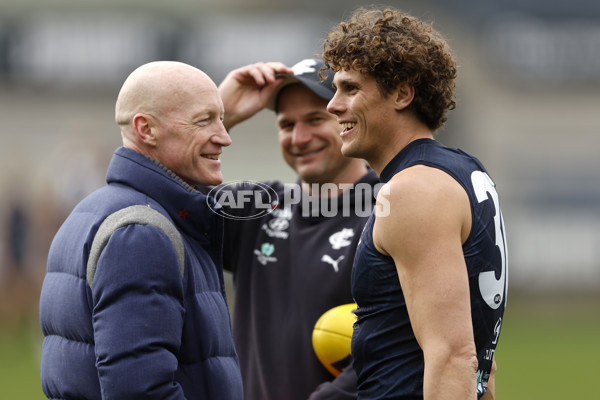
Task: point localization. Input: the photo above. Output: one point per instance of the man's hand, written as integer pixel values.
(246, 90)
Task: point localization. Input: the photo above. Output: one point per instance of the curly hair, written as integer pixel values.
(394, 47)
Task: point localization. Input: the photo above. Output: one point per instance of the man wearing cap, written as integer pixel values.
(294, 263)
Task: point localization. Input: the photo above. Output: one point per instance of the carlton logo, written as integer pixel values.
(243, 200)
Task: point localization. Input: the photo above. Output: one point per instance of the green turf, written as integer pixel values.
(19, 363)
(547, 350)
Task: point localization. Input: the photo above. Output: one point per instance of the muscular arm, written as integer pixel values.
(429, 218)
(246, 90)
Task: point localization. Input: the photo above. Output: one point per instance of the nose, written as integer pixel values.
(335, 105)
(301, 134)
(221, 137)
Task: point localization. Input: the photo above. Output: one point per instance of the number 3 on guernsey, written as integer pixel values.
(492, 290)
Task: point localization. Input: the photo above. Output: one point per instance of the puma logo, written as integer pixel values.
(334, 263)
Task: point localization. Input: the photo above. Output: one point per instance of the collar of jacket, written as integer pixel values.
(190, 210)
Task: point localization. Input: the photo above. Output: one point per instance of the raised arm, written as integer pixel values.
(429, 218)
(246, 90)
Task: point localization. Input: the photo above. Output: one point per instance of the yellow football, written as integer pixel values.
(332, 335)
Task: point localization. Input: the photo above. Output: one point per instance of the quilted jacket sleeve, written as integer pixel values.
(138, 315)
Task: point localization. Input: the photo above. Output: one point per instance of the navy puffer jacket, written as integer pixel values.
(143, 332)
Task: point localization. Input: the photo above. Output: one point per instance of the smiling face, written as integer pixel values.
(172, 112)
(309, 137)
(191, 136)
(365, 115)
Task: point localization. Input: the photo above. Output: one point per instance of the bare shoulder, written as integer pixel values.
(424, 180)
(422, 189)
(420, 202)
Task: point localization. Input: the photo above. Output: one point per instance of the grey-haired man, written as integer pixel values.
(293, 264)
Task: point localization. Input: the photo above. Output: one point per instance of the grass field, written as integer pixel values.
(19, 363)
(548, 350)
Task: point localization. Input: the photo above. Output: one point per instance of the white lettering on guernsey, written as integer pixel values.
(497, 330)
(275, 233)
(492, 290)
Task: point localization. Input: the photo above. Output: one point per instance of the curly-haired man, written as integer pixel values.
(429, 275)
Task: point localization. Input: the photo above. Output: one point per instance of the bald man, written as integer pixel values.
(133, 303)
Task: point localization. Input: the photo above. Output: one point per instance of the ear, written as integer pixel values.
(405, 94)
(144, 129)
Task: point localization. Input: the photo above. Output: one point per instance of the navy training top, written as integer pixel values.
(387, 357)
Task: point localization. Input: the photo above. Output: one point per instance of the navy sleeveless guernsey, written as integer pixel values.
(387, 357)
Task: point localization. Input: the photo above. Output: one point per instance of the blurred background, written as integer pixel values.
(528, 107)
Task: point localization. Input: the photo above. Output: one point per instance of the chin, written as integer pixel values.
(315, 179)
(309, 174)
(215, 182)
(350, 151)
(210, 181)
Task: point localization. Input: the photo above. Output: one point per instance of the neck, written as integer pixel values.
(172, 174)
(395, 145)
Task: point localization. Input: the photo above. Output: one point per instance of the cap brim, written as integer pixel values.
(313, 86)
